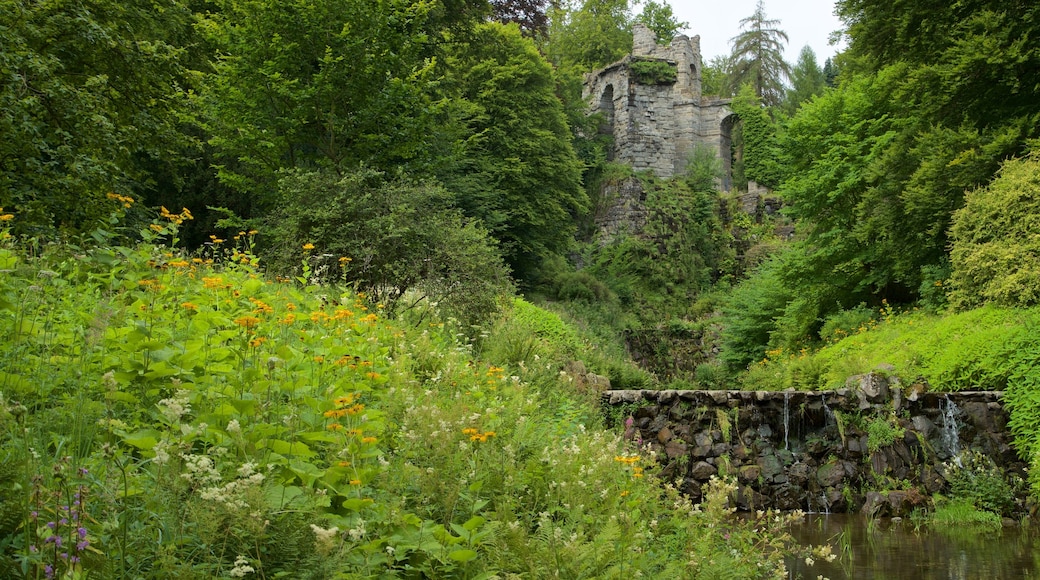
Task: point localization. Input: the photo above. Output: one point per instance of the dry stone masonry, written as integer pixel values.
(812, 450)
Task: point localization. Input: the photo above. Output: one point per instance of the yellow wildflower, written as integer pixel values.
(308, 246)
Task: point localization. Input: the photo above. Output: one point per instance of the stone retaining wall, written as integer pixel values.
(813, 450)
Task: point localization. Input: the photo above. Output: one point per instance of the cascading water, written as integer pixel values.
(951, 436)
(787, 418)
(828, 415)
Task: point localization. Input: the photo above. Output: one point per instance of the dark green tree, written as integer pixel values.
(807, 80)
(517, 170)
(88, 91)
(830, 72)
(758, 57)
(330, 84)
(529, 15)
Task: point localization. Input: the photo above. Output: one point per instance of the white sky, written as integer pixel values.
(717, 21)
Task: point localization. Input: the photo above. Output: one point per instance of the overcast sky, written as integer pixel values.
(717, 21)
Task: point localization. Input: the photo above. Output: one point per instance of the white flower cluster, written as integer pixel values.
(176, 406)
(241, 568)
(201, 472)
(325, 540)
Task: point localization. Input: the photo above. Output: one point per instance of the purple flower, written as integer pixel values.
(74, 559)
(34, 514)
(33, 548)
(82, 532)
(52, 525)
(80, 546)
(63, 521)
(83, 471)
(49, 571)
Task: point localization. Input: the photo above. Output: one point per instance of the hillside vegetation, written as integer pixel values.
(171, 414)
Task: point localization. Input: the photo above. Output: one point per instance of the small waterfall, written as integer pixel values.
(951, 437)
(787, 417)
(826, 505)
(828, 415)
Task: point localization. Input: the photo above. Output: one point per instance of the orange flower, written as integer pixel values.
(335, 427)
(214, 283)
(368, 440)
(247, 321)
(257, 341)
(189, 306)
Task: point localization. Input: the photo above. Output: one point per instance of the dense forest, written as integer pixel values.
(271, 267)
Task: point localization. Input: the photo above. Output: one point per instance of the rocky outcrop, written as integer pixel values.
(866, 447)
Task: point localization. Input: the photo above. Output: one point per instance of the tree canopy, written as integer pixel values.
(757, 57)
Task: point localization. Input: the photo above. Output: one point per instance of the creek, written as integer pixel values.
(889, 549)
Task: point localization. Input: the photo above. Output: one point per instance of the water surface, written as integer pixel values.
(894, 551)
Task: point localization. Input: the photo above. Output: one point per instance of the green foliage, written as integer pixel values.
(974, 350)
(750, 315)
(1022, 398)
(653, 72)
(757, 58)
(960, 515)
(882, 432)
(807, 80)
(680, 251)
(589, 34)
(389, 239)
(658, 16)
(326, 84)
(518, 173)
(758, 142)
(90, 93)
(995, 254)
(978, 480)
(215, 423)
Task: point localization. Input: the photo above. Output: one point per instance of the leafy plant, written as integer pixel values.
(882, 432)
(653, 72)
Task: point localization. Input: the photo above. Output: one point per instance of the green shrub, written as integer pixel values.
(995, 252)
(386, 238)
(978, 480)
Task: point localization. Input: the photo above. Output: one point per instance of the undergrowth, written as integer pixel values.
(168, 414)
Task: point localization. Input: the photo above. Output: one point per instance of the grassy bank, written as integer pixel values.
(175, 415)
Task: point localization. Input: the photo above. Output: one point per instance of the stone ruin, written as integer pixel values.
(657, 122)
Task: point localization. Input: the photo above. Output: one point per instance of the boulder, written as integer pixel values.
(830, 474)
(703, 471)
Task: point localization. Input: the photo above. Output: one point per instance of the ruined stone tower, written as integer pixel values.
(652, 104)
